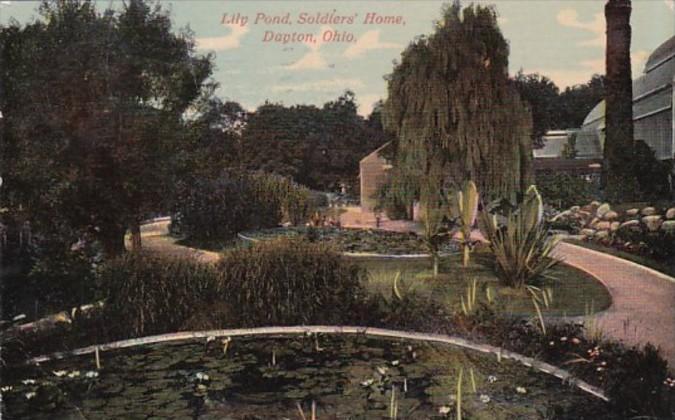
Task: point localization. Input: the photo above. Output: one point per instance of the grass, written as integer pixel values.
(572, 290)
(663, 267)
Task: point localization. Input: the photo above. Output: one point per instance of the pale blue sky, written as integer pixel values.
(562, 39)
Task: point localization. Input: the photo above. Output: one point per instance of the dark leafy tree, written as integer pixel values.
(93, 107)
(543, 97)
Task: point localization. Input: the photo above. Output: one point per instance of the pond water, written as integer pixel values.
(276, 377)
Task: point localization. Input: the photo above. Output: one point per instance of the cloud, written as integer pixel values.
(227, 42)
(670, 4)
(570, 19)
(313, 59)
(587, 68)
(328, 85)
(366, 42)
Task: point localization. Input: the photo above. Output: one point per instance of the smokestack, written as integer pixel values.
(618, 176)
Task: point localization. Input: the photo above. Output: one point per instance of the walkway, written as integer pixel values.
(643, 300)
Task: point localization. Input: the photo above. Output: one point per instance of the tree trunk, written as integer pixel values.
(112, 239)
(435, 264)
(136, 244)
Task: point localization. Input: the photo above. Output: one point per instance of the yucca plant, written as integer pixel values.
(465, 210)
(522, 247)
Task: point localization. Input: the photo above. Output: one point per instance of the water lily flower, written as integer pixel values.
(200, 376)
(563, 339)
(367, 382)
(6, 388)
(395, 363)
(521, 390)
(30, 395)
(444, 410)
(575, 340)
(74, 374)
(59, 373)
(91, 374)
(28, 382)
(210, 338)
(382, 370)
(492, 379)
(484, 398)
(551, 343)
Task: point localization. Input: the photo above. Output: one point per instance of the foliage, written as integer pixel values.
(652, 174)
(317, 147)
(390, 203)
(522, 247)
(563, 190)
(92, 107)
(635, 383)
(543, 96)
(556, 110)
(149, 294)
(213, 211)
(288, 282)
(474, 125)
(464, 209)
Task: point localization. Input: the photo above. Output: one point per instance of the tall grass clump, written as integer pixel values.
(289, 281)
(151, 294)
(522, 246)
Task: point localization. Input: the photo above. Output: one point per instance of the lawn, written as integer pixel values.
(574, 292)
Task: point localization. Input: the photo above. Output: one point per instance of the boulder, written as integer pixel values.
(668, 226)
(653, 222)
(629, 224)
(648, 211)
(575, 208)
(604, 225)
(587, 232)
(562, 215)
(614, 226)
(602, 210)
(595, 204)
(602, 234)
(670, 213)
(632, 212)
(594, 223)
(610, 215)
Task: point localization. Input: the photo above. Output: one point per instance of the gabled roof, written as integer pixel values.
(377, 151)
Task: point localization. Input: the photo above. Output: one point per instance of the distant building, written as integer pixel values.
(569, 151)
(373, 173)
(653, 118)
(653, 111)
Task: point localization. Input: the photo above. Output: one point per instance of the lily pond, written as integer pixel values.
(342, 377)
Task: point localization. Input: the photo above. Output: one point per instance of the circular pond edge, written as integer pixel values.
(500, 353)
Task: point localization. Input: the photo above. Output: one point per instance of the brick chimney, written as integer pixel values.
(618, 150)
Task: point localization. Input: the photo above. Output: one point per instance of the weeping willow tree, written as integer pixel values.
(455, 112)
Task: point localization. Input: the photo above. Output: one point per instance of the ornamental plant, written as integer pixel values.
(522, 245)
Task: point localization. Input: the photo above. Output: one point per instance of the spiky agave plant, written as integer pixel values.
(522, 247)
(465, 210)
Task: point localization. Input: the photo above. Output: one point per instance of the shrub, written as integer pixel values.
(213, 211)
(286, 281)
(523, 246)
(564, 190)
(150, 294)
(635, 384)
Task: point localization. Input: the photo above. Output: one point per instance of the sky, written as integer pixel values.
(282, 54)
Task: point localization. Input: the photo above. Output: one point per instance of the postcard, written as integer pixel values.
(275, 209)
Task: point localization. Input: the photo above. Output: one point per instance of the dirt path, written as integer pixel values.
(643, 300)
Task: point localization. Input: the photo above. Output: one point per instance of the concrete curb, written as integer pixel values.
(330, 329)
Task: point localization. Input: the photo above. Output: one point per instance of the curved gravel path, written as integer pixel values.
(643, 300)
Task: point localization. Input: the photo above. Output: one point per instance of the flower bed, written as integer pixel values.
(272, 377)
(356, 240)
